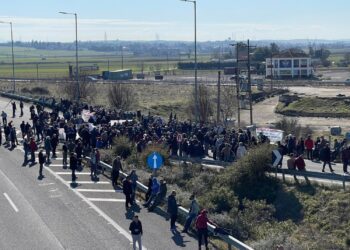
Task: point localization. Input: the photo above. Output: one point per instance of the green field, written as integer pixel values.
(54, 63)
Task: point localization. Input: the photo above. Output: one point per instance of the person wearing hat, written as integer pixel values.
(202, 228)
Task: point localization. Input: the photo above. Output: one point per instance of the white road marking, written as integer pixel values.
(91, 182)
(69, 173)
(46, 184)
(97, 190)
(98, 210)
(109, 200)
(57, 165)
(11, 202)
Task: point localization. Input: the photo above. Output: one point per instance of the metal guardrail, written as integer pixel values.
(230, 240)
(324, 176)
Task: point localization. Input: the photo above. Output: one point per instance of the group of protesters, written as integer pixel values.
(317, 150)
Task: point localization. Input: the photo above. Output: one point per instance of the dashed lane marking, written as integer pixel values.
(11, 202)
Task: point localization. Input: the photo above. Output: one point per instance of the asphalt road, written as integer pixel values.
(50, 214)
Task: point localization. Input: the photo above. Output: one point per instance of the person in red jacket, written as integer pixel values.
(309, 145)
(33, 147)
(202, 228)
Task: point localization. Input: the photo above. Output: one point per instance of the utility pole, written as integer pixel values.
(37, 72)
(250, 88)
(271, 83)
(238, 88)
(108, 65)
(219, 97)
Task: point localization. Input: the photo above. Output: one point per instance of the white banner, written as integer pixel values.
(274, 135)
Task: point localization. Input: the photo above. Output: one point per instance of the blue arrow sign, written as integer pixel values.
(155, 160)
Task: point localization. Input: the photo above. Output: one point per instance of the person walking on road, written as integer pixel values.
(73, 164)
(26, 150)
(172, 209)
(42, 159)
(4, 118)
(127, 190)
(48, 148)
(116, 167)
(64, 154)
(345, 155)
(136, 232)
(14, 107)
(202, 228)
(325, 156)
(21, 107)
(93, 167)
(33, 147)
(194, 210)
(134, 178)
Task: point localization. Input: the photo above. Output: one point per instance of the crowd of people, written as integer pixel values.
(314, 150)
(81, 131)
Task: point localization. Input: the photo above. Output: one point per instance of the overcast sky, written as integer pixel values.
(173, 19)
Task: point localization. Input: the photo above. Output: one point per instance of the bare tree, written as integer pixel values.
(87, 90)
(122, 96)
(205, 104)
(228, 102)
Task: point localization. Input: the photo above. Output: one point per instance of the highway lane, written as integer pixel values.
(88, 217)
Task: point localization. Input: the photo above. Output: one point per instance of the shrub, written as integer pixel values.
(123, 147)
(40, 91)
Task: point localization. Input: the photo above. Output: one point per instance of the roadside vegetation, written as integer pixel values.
(316, 107)
(257, 208)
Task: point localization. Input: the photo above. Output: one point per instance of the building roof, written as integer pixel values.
(291, 53)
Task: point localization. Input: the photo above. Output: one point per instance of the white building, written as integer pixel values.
(289, 64)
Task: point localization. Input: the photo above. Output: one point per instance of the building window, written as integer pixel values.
(285, 63)
(296, 63)
(296, 72)
(303, 63)
(276, 64)
(304, 72)
(285, 72)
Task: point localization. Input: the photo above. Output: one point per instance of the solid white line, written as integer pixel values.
(93, 206)
(11, 202)
(69, 173)
(97, 190)
(92, 182)
(57, 165)
(109, 200)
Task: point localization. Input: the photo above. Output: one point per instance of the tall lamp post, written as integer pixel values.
(13, 57)
(195, 58)
(76, 52)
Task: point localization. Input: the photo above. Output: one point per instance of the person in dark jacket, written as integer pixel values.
(21, 107)
(149, 190)
(127, 190)
(73, 164)
(42, 159)
(345, 155)
(172, 209)
(325, 156)
(116, 167)
(136, 232)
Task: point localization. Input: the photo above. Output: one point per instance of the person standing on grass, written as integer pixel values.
(127, 190)
(202, 228)
(136, 232)
(42, 159)
(116, 167)
(194, 210)
(172, 209)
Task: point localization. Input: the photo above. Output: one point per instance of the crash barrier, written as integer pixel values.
(200, 161)
(317, 175)
(47, 102)
(231, 241)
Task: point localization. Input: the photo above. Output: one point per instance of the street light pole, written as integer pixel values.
(13, 57)
(197, 115)
(76, 53)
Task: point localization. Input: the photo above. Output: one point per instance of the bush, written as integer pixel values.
(123, 147)
(292, 126)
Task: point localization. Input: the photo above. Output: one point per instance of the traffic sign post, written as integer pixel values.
(155, 161)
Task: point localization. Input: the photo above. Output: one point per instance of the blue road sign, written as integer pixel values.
(155, 160)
